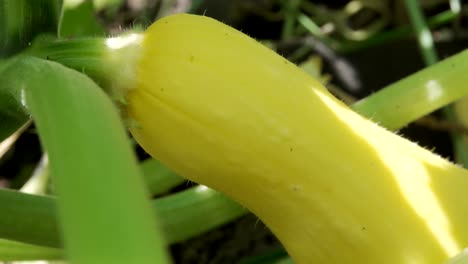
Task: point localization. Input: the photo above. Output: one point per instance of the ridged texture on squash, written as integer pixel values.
(222, 110)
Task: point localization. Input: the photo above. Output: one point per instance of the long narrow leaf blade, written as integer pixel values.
(22, 20)
(11, 250)
(104, 208)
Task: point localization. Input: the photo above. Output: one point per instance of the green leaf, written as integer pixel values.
(104, 208)
(80, 20)
(12, 114)
(22, 20)
(12, 250)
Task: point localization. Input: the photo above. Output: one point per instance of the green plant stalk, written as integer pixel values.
(194, 212)
(84, 54)
(32, 218)
(417, 95)
(104, 208)
(310, 25)
(105, 60)
(396, 106)
(426, 45)
(29, 218)
(159, 179)
(290, 15)
(12, 250)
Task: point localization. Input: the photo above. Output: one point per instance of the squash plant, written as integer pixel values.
(221, 109)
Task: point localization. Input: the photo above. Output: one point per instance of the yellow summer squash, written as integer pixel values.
(222, 110)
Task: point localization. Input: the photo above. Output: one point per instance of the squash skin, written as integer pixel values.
(222, 110)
